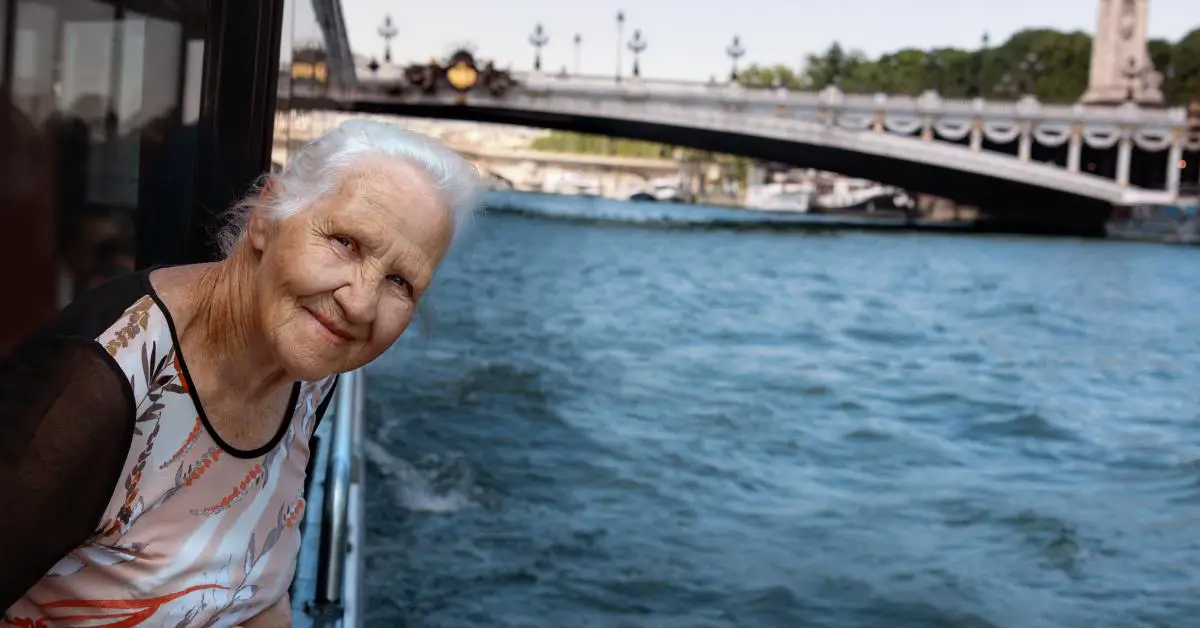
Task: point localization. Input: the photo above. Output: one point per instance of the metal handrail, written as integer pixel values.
(352, 589)
(336, 600)
(337, 494)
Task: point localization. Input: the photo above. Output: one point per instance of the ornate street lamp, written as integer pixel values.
(891, 83)
(578, 41)
(387, 31)
(636, 46)
(620, 40)
(735, 52)
(1008, 86)
(1031, 68)
(933, 70)
(538, 39)
(980, 68)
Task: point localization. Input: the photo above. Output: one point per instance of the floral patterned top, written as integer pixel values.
(139, 514)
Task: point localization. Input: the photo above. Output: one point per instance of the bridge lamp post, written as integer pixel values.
(620, 40)
(387, 30)
(933, 71)
(891, 83)
(636, 46)
(980, 67)
(578, 41)
(735, 52)
(1031, 68)
(1007, 86)
(538, 39)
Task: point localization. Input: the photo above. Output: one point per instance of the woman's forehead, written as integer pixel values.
(397, 198)
(380, 183)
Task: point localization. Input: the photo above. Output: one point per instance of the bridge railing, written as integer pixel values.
(929, 103)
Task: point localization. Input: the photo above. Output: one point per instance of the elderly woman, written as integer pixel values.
(154, 437)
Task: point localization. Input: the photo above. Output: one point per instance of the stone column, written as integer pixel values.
(1124, 157)
(976, 135)
(1174, 172)
(1075, 149)
(1025, 148)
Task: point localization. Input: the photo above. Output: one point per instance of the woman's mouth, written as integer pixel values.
(337, 334)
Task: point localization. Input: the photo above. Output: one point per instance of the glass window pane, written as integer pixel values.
(97, 144)
(3, 34)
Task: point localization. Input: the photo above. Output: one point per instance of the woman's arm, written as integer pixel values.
(66, 420)
(279, 615)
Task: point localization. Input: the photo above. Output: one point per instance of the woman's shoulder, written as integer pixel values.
(124, 316)
(97, 310)
(122, 321)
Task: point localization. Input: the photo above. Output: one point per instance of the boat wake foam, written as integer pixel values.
(445, 486)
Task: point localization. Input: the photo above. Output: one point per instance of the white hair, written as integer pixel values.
(316, 169)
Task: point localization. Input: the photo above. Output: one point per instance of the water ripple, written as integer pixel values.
(615, 425)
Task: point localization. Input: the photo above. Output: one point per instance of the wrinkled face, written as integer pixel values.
(337, 284)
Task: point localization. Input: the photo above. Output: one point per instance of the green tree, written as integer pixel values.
(770, 76)
(1053, 65)
(570, 142)
(1182, 70)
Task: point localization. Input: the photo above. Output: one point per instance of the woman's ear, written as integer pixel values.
(259, 226)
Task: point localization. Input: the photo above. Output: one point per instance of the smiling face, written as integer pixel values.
(338, 283)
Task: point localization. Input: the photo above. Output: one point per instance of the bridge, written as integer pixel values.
(1024, 162)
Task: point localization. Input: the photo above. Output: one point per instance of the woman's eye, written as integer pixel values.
(398, 280)
(344, 241)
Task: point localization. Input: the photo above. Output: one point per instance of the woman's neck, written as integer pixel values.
(225, 327)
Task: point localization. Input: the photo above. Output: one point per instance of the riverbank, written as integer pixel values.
(945, 218)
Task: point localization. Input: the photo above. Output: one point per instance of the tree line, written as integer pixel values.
(1051, 65)
(581, 143)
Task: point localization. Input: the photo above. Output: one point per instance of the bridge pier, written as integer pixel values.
(1074, 149)
(1124, 160)
(1025, 144)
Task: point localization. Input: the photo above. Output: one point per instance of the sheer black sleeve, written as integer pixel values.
(66, 423)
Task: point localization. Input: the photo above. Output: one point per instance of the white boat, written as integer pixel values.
(780, 197)
(572, 184)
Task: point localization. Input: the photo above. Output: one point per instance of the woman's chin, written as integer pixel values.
(314, 360)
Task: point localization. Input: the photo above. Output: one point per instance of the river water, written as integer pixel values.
(643, 415)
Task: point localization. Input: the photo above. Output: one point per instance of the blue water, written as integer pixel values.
(628, 422)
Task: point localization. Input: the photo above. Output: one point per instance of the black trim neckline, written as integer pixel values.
(289, 410)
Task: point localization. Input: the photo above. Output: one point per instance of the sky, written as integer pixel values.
(686, 39)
